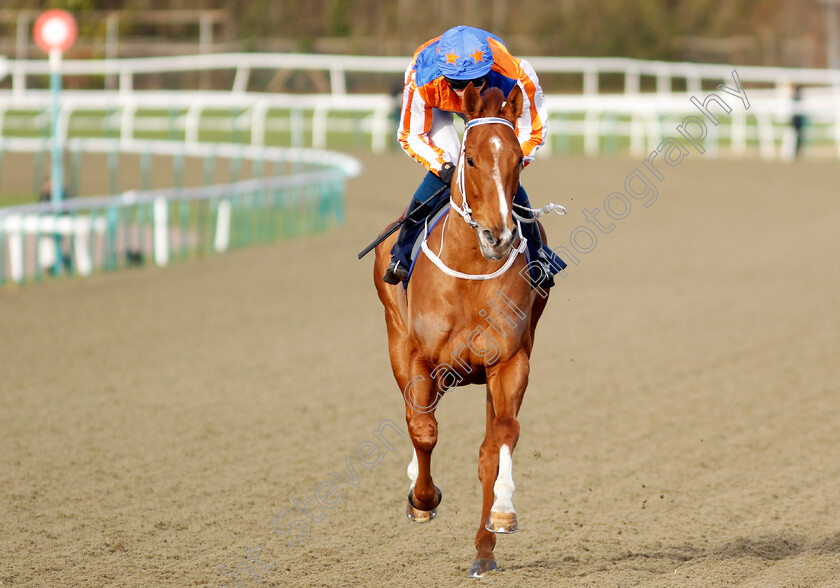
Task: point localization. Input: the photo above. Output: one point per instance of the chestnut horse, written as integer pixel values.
(468, 316)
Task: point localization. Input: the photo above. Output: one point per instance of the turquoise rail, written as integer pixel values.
(293, 192)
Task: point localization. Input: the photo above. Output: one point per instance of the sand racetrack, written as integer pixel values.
(681, 427)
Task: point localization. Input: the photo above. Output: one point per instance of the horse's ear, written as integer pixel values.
(472, 102)
(513, 106)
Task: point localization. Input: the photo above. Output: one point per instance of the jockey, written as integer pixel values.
(434, 85)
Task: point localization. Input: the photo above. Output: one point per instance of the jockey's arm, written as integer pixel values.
(532, 125)
(413, 132)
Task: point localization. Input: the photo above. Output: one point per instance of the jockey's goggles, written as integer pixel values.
(462, 84)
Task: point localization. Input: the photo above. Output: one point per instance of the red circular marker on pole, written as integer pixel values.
(55, 32)
(55, 29)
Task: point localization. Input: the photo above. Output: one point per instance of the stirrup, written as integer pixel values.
(547, 280)
(395, 273)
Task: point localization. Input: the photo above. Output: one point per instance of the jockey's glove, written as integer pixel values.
(446, 172)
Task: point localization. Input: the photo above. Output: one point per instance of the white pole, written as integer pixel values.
(222, 239)
(57, 150)
(161, 224)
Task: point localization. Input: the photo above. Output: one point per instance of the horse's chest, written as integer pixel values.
(482, 339)
(431, 329)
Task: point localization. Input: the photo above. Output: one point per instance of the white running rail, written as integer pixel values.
(646, 108)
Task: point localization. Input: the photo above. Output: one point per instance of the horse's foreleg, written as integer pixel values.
(488, 468)
(421, 397)
(506, 385)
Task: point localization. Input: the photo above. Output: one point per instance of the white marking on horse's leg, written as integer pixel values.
(503, 488)
(413, 470)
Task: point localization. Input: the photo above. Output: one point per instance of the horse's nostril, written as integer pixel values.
(489, 237)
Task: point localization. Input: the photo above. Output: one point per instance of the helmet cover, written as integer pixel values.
(463, 53)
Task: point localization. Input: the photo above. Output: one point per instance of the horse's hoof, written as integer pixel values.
(502, 522)
(482, 566)
(422, 516)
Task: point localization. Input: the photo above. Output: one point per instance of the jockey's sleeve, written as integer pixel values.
(532, 125)
(415, 124)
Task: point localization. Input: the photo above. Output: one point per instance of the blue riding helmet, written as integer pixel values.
(463, 53)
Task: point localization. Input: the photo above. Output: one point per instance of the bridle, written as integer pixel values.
(466, 213)
(464, 210)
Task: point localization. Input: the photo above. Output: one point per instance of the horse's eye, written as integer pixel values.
(470, 162)
(521, 161)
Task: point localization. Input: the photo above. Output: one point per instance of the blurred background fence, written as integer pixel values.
(242, 107)
(270, 192)
(290, 192)
(596, 105)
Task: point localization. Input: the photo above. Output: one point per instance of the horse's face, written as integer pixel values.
(492, 162)
(491, 166)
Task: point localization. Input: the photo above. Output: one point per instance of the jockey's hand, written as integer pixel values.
(446, 173)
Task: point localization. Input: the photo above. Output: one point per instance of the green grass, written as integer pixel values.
(14, 199)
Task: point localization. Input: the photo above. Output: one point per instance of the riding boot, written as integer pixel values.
(543, 277)
(418, 210)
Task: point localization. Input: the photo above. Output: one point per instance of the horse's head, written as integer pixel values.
(489, 167)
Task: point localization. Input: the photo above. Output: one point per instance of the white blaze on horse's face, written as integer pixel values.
(496, 144)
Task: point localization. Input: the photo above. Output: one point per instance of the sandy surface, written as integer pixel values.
(681, 427)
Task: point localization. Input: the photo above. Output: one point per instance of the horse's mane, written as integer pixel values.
(492, 101)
